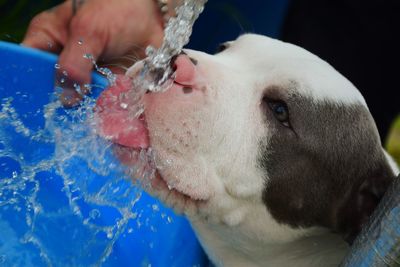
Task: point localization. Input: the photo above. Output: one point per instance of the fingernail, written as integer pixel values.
(70, 98)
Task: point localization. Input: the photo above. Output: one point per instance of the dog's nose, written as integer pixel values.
(185, 69)
(173, 60)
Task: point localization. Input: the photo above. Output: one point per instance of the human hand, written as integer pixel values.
(109, 30)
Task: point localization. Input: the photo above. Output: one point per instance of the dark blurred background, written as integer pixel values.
(222, 19)
(16, 14)
(358, 37)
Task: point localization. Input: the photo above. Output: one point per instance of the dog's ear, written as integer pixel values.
(361, 202)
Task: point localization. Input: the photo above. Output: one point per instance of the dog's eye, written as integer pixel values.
(222, 47)
(280, 110)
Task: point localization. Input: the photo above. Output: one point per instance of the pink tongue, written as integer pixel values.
(115, 121)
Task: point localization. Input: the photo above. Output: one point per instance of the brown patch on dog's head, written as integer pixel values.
(327, 169)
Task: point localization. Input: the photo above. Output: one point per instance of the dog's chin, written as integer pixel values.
(179, 201)
(152, 180)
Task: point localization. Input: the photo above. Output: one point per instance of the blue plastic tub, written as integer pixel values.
(48, 222)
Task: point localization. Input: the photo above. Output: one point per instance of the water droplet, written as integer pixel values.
(110, 234)
(36, 209)
(87, 86)
(124, 105)
(169, 219)
(65, 73)
(111, 77)
(150, 50)
(77, 88)
(88, 56)
(62, 80)
(76, 210)
(17, 208)
(57, 66)
(80, 41)
(155, 207)
(94, 213)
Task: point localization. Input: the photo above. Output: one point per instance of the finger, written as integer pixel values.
(43, 34)
(49, 29)
(82, 49)
(70, 97)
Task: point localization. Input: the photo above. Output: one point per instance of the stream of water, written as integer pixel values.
(157, 74)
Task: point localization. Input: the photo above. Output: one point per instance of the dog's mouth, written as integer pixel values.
(114, 118)
(130, 135)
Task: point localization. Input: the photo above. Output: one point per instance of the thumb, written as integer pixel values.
(48, 30)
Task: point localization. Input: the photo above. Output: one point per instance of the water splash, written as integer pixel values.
(156, 73)
(27, 197)
(111, 77)
(42, 189)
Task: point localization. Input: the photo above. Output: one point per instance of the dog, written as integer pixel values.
(271, 153)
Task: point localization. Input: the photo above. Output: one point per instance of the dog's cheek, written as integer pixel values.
(191, 175)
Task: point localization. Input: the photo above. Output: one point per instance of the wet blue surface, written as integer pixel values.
(157, 236)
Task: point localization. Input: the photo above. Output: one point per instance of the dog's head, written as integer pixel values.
(264, 134)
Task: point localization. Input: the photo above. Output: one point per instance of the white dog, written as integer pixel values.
(270, 152)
